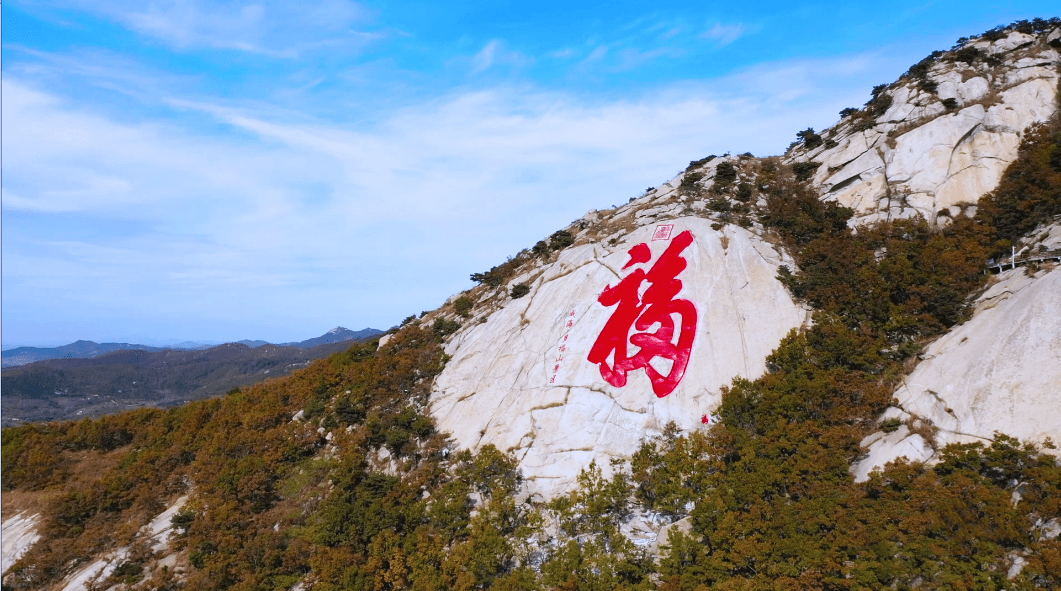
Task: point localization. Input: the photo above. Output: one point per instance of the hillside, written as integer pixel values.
(63, 389)
(700, 389)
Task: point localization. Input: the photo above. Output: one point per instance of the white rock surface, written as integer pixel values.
(156, 532)
(95, 572)
(920, 159)
(499, 387)
(1000, 371)
(19, 533)
(160, 527)
(886, 447)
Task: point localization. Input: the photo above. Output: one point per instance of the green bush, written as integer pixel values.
(725, 173)
(968, 55)
(491, 279)
(744, 193)
(561, 239)
(698, 163)
(689, 182)
(879, 102)
(719, 205)
(444, 328)
(805, 170)
(810, 139)
(463, 305)
(520, 290)
(890, 425)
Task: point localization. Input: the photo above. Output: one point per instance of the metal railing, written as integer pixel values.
(1018, 259)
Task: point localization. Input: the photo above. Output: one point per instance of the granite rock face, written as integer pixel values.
(19, 533)
(935, 154)
(1000, 371)
(930, 145)
(523, 381)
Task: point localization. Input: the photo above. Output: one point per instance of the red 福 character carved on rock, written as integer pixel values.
(656, 306)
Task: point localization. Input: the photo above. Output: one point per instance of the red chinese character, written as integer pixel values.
(641, 312)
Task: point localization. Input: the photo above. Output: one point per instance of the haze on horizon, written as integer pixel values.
(204, 171)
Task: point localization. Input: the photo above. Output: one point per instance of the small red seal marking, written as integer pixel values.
(663, 232)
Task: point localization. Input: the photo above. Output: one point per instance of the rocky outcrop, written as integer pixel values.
(19, 533)
(155, 535)
(935, 153)
(524, 377)
(997, 372)
(523, 381)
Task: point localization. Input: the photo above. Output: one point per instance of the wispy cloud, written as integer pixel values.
(596, 55)
(633, 58)
(273, 209)
(495, 53)
(266, 27)
(564, 53)
(724, 34)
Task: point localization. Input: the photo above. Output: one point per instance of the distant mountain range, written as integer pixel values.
(89, 349)
(124, 378)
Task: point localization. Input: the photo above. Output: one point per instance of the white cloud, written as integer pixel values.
(495, 53)
(596, 55)
(330, 222)
(564, 53)
(268, 27)
(724, 34)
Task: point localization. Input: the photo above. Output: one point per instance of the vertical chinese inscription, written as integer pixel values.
(569, 323)
(657, 306)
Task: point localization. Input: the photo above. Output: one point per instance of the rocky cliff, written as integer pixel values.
(936, 140)
(523, 380)
(929, 145)
(996, 373)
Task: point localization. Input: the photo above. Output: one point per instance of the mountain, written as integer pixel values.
(86, 349)
(336, 335)
(828, 369)
(924, 147)
(78, 349)
(72, 388)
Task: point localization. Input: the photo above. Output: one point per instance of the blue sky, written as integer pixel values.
(208, 171)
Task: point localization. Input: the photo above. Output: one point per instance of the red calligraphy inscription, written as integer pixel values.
(641, 312)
